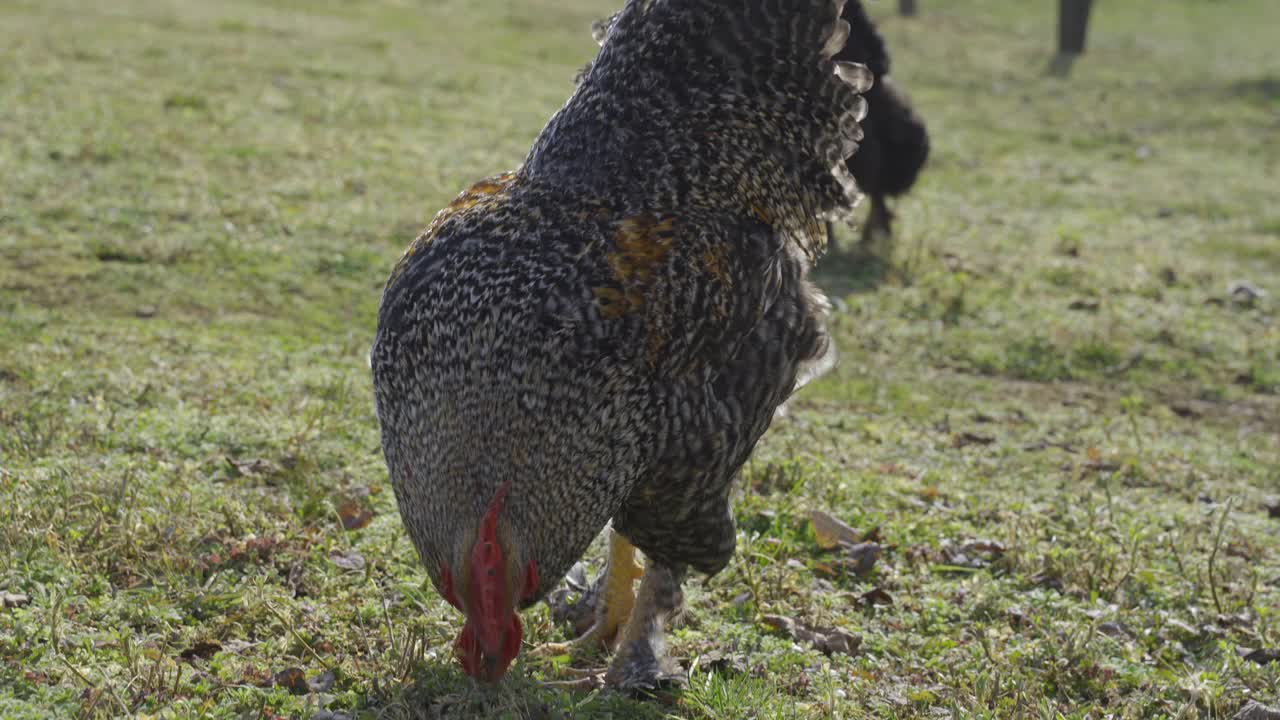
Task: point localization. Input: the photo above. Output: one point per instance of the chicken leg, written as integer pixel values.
(614, 603)
(877, 230)
(641, 662)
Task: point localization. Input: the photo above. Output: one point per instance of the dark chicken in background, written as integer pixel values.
(895, 143)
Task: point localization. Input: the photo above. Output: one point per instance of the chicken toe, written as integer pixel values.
(641, 662)
(613, 604)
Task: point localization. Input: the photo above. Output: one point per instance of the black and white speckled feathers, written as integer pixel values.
(611, 327)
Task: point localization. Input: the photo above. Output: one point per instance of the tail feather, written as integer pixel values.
(866, 45)
(718, 103)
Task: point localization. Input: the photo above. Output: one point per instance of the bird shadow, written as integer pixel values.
(1060, 65)
(436, 691)
(855, 269)
(1263, 90)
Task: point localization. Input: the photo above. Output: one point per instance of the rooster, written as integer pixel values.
(605, 332)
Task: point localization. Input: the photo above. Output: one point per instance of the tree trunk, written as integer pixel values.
(1073, 23)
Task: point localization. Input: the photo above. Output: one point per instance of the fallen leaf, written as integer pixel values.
(292, 679)
(238, 646)
(972, 555)
(1237, 620)
(1184, 630)
(1018, 618)
(353, 516)
(877, 596)
(1046, 443)
(994, 548)
(253, 467)
(719, 663)
(784, 624)
(826, 640)
(293, 578)
(1100, 467)
(576, 578)
(1048, 579)
(830, 532)
(862, 556)
(1246, 294)
(14, 600)
(836, 640)
(826, 569)
(968, 438)
(1263, 656)
(201, 649)
(1254, 710)
(1113, 629)
(321, 682)
(349, 560)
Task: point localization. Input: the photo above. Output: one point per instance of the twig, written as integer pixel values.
(1213, 555)
(289, 626)
(89, 684)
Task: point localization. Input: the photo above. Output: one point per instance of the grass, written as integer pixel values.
(1051, 413)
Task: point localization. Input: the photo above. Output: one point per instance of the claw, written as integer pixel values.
(587, 683)
(641, 663)
(618, 597)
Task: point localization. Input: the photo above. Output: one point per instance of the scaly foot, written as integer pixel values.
(614, 603)
(641, 663)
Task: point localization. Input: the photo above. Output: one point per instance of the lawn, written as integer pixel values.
(1056, 418)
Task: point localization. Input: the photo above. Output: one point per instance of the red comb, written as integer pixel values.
(487, 576)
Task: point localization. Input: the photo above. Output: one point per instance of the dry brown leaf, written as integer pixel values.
(968, 438)
(830, 532)
(862, 556)
(353, 516)
(719, 663)
(827, 640)
(201, 649)
(877, 596)
(321, 682)
(835, 640)
(1254, 710)
(349, 560)
(990, 547)
(1263, 656)
(253, 466)
(292, 679)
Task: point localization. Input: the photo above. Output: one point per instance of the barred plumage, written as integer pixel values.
(606, 332)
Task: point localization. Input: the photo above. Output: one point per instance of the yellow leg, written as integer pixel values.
(617, 600)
